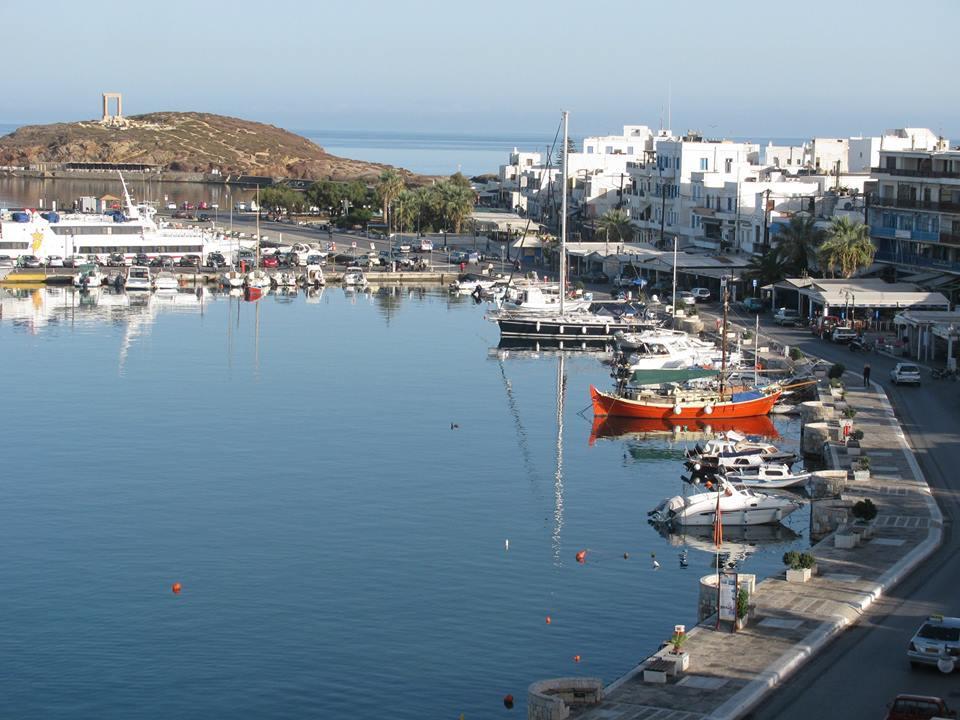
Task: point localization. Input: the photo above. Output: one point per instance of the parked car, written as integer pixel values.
(685, 297)
(905, 373)
(786, 316)
(29, 261)
(269, 261)
(627, 280)
(189, 261)
(317, 259)
(116, 260)
(141, 259)
(171, 206)
(54, 261)
(918, 707)
(216, 260)
(426, 245)
(203, 217)
(937, 636)
(458, 256)
(156, 261)
(701, 294)
(595, 276)
(842, 334)
(753, 304)
(6, 261)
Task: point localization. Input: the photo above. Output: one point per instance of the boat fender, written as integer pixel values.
(708, 409)
(676, 409)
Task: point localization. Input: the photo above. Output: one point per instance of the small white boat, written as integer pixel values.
(737, 506)
(88, 277)
(471, 281)
(354, 277)
(284, 279)
(138, 279)
(768, 475)
(166, 281)
(232, 279)
(257, 279)
(313, 277)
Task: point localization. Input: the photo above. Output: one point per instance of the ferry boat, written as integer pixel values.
(131, 231)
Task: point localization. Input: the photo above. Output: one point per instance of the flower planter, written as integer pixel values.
(863, 529)
(861, 475)
(799, 576)
(845, 540)
(680, 660)
(742, 621)
(836, 394)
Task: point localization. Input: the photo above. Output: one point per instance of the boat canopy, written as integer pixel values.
(659, 376)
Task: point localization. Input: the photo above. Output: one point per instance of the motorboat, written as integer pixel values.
(88, 277)
(767, 475)
(166, 281)
(232, 279)
(659, 348)
(733, 443)
(284, 279)
(257, 279)
(139, 279)
(354, 277)
(736, 506)
(313, 276)
(469, 282)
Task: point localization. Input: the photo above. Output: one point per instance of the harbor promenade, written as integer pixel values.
(730, 672)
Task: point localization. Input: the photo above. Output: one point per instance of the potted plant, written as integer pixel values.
(853, 443)
(800, 566)
(849, 412)
(743, 608)
(865, 512)
(675, 652)
(861, 470)
(796, 354)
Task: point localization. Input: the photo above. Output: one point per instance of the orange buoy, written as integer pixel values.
(549, 620)
(176, 587)
(508, 701)
(576, 658)
(581, 556)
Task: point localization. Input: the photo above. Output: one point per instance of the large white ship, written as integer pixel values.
(129, 231)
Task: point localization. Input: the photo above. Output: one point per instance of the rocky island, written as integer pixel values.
(181, 142)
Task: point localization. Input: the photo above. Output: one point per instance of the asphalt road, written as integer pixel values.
(866, 666)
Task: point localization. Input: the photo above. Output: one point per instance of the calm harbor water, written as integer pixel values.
(341, 547)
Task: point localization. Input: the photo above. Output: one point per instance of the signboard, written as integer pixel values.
(353, 244)
(754, 282)
(728, 597)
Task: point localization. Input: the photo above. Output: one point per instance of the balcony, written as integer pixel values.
(913, 260)
(949, 238)
(916, 235)
(913, 204)
(900, 172)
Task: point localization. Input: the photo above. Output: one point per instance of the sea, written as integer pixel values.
(371, 508)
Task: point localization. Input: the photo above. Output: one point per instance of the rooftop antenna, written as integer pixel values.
(670, 106)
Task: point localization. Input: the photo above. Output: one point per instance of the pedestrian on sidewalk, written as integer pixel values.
(866, 375)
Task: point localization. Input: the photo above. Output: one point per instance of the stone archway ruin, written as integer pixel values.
(107, 97)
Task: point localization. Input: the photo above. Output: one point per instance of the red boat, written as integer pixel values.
(686, 406)
(610, 427)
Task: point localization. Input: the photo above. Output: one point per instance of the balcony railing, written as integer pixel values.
(949, 238)
(918, 235)
(877, 200)
(917, 261)
(901, 172)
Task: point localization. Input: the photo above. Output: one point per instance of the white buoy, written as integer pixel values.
(656, 565)
(506, 544)
(677, 409)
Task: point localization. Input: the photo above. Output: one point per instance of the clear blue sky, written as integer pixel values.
(736, 68)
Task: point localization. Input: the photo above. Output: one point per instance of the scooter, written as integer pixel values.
(857, 345)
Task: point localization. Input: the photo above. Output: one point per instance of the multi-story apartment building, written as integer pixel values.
(914, 209)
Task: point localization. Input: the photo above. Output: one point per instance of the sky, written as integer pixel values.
(730, 68)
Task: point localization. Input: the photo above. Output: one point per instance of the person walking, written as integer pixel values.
(866, 375)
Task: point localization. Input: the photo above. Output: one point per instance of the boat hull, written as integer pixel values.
(548, 328)
(739, 517)
(606, 404)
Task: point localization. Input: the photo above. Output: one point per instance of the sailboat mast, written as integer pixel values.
(563, 214)
(258, 226)
(723, 338)
(756, 352)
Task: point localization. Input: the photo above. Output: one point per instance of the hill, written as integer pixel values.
(182, 141)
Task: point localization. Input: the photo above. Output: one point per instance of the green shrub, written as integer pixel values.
(678, 641)
(743, 603)
(849, 412)
(865, 510)
(796, 354)
(835, 383)
(837, 371)
(864, 462)
(857, 435)
(798, 561)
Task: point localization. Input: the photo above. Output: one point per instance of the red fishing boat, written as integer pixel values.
(685, 405)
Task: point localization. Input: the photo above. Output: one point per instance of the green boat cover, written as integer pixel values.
(670, 375)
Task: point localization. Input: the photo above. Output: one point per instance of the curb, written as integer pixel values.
(757, 689)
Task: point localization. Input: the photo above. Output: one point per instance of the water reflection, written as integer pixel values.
(739, 542)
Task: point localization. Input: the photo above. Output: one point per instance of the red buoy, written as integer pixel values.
(581, 556)
(576, 658)
(508, 702)
(176, 587)
(549, 620)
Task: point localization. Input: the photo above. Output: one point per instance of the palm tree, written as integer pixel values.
(389, 186)
(765, 269)
(847, 248)
(616, 226)
(797, 245)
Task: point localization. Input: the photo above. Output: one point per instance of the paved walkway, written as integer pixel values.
(730, 673)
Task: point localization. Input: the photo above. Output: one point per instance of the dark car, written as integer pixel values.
(156, 261)
(918, 707)
(29, 261)
(189, 261)
(203, 217)
(216, 260)
(753, 304)
(116, 260)
(141, 259)
(269, 261)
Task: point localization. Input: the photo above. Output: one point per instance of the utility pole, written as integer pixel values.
(620, 201)
(766, 221)
(663, 207)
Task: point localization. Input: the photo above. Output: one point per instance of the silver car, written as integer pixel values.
(905, 373)
(938, 637)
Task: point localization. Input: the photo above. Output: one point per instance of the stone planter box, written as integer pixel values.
(846, 540)
(863, 529)
(799, 576)
(743, 621)
(853, 448)
(861, 475)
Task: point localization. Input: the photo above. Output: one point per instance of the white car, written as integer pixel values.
(686, 297)
(54, 261)
(701, 293)
(938, 637)
(905, 373)
(171, 206)
(426, 245)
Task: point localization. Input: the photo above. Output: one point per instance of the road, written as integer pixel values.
(866, 666)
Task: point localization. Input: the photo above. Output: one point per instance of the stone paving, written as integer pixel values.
(730, 672)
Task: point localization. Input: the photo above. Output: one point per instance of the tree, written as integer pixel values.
(765, 269)
(616, 226)
(459, 179)
(797, 246)
(571, 148)
(278, 198)
(847, 248)
(355, 193)
(389, 186)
